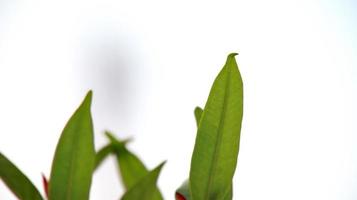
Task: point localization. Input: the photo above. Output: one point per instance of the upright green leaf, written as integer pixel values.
(16, 181)
(144, 189)
(229, 194)
(183, 192)
(198, 113)
(132, 169)
(216, 148)
(73, 163)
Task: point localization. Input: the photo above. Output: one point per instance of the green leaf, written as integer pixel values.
(144, 189)
(216, 148)
(17, 182)
(131, 168)
(229, 194)
(102, 154)
(198, 113)
(184, 189)
(105, 151)
(73, 163)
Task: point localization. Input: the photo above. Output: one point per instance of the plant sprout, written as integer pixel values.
(213, 162)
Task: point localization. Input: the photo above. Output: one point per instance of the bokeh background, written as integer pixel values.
(150, 63)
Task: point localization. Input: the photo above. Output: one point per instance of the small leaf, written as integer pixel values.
(17, 182)
(214, 157)
(144, 189)
(132, 169)
(130, 166)
(102, 154)
(198, 113)
(183, 192)
(73, 163)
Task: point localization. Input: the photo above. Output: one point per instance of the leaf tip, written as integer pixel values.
(163, 163)
(197, 109)
(231, 61)
(89, 96)
(160, 166)
(232, 55)
(110, 135)
(86, 103)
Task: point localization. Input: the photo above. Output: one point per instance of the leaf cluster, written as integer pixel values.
(213, 162)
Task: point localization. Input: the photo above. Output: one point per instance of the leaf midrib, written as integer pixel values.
(70, 178)
(218, 141)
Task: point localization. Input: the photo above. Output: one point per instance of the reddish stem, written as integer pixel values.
(179, 196)
(45, 184)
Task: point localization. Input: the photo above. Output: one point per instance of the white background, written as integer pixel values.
(150, 63)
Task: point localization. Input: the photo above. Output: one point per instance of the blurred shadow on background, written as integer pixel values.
(112, 69)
